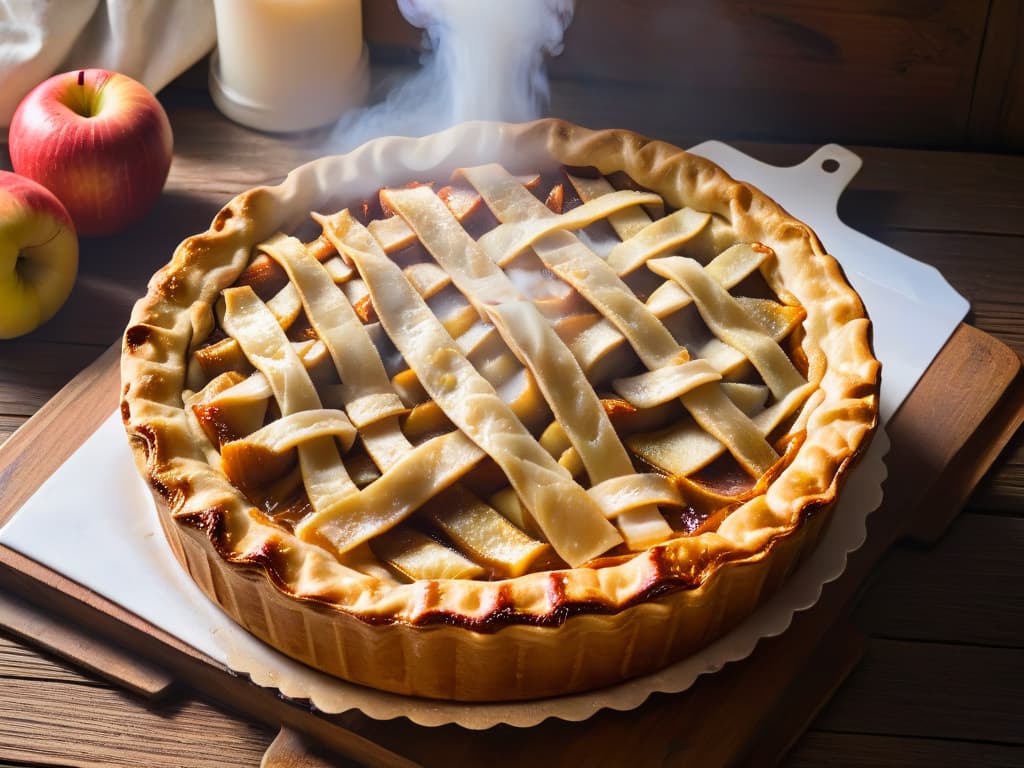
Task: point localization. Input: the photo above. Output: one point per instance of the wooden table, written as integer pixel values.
(942, 680)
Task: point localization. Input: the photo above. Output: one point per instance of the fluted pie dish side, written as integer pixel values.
(325, 475)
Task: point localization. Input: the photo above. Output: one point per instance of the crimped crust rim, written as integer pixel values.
(177, 309)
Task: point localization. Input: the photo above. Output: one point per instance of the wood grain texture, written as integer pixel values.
(897, 73)
(948, 593)
(959, 211)
(60, 724)
(857, 750)
(291, 750)
(82, 647)
(932, 690)
(997, 111)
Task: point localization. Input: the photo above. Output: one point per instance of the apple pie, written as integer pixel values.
(507, 412)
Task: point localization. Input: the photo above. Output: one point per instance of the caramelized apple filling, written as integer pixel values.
(496, 374)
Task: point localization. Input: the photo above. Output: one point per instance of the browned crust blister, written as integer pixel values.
(462, 629)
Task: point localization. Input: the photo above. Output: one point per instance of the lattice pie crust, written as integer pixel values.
(537, 410)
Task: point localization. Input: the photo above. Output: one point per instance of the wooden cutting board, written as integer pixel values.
(960, 415)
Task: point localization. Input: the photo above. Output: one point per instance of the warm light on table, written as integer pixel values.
(288, 65)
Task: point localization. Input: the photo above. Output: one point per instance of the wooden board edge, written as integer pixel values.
(82, 649)
(951, 490)
(939, 399)
(982, 426)
(291, 749)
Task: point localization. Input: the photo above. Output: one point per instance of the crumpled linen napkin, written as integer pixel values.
(151, 40)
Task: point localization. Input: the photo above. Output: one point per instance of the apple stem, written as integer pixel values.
(81, 77)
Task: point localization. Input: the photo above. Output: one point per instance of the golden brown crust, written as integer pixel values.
(212, 525)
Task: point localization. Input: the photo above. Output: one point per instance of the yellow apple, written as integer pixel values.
(38, 255)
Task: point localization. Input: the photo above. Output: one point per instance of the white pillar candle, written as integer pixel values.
(288, 65)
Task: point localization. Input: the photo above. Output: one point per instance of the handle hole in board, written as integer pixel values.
(830, 165)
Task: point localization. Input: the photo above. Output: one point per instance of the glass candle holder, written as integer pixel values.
(288, 65)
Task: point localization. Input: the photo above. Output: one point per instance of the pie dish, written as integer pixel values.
(507, 412)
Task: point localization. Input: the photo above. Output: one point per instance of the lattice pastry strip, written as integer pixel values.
(594, 278)
(255, 328)
(373, 406)
(532, 339)
(571, 521)
(731, 416)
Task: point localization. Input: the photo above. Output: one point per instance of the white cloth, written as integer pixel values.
(152, 41)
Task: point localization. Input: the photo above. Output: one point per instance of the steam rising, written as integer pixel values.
(483, 60)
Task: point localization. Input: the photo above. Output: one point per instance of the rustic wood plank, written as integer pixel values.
(932, 690)
(854, 750)
(60, 724)
(838, 653)
(793, 677)
(972, 575)
(8, 425)
(934, 426)
(1002, 485)
(83, 648)
(1002, 489)
(20, 662)
(893, 73)
(935, 191)
(32, 372)
(997, 112)
(916, 189)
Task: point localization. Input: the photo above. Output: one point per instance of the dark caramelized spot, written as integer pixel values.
(136, 336)
(222, 218)
(173, 494)
(289, 512)
(126, 412)
(685, 520)
(301, 329)
(170, 287)
(210, 521)
(555, 588)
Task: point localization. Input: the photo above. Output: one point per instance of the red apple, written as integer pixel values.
(38, 254)
(98, 140)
